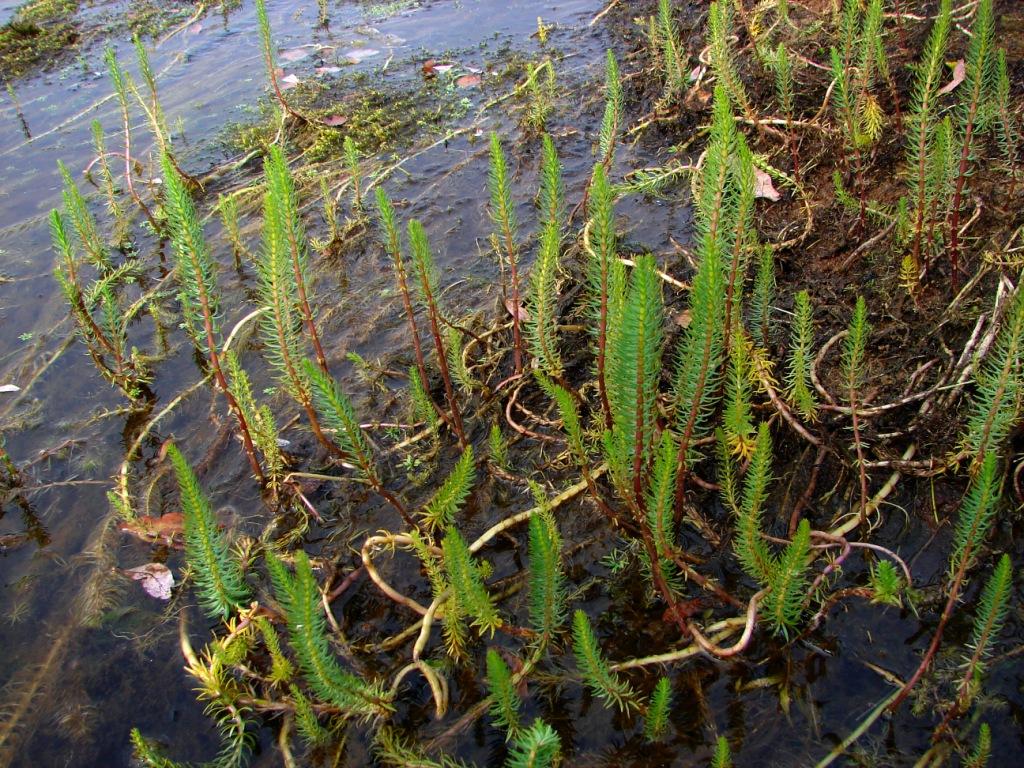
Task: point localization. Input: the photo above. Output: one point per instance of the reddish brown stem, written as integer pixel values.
(442, 362)
(954, 212)
(513, 266)
(222, 384)
(300, 285)
(403, 286)
(862, 475)
(947, 613)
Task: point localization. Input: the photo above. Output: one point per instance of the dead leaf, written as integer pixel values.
(468, 81)
(683, 319)
(429, 68)
(156, 579)
(515, 665)
(295, 54)
(9, 388)
(442, 68)
(523, 315)
(335, 120)
(763, 186)
(357, 55)
(327, 70)
(959, 73)
(13, 541)
(166, 527)
(289, 81)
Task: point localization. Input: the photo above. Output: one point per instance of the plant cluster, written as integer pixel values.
(657, 425)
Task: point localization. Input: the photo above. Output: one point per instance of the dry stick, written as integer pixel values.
(857, 732)
(716, 633)
(703, 581)
(519, 427)
(740, 645)
(785, 412)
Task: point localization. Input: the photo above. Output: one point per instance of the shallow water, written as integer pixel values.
(98, 683)
(84, 688)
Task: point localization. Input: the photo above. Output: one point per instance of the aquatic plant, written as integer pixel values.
(632, 420)
(505, 225)
(980, 81)
(605, 684)
(542, 302)
(798, 373)
(505, 701)
(666, 50)
(426, 276)
(218, 576)
(919, 120)
(307, 630)
(611, 122)
(100, 319)
(656, 719)
(198, 294)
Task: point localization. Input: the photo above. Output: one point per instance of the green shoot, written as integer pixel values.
(503, 215)
(801, 355)
(504, 697)
(538, 747)
(605, 684)
(218, 576)
(468, 584)
(656, 720)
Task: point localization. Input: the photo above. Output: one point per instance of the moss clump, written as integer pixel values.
(150, 18)
(38, 30)
(375, 119)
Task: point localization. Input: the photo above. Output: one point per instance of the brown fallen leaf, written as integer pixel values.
(468, 81)
(683, 319)
(763, 186)
(295, 54)
(166, 527)
(155, 578)
(357, 55)
(522, 314)
(335, 120)
(515, 665)
(429, 68)
(289, 81)
(13, 541)
(959, 73)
